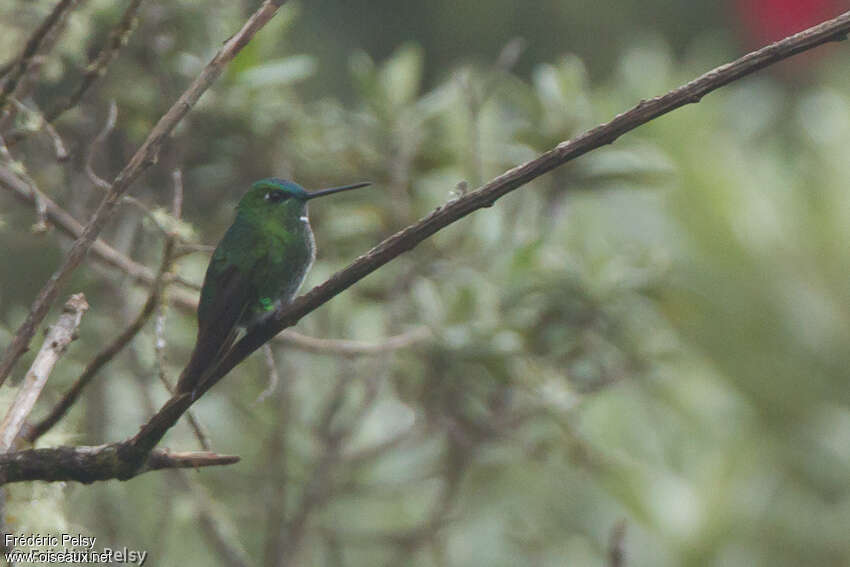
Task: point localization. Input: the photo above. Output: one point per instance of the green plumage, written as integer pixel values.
(257, 267)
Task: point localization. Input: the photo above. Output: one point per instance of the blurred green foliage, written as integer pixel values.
(654, 333)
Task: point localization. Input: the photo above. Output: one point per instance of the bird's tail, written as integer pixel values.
(192, 372)
(202, 364)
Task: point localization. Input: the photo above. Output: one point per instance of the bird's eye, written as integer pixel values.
(275, 196)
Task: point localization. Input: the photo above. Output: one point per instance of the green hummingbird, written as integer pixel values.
(255, 269)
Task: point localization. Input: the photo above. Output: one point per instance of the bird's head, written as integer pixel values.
(282, 199)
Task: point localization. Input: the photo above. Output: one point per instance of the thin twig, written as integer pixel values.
(218, 529)
(187, 248)
(132, 455)
(177, 198)
(104, 185)
(28, 185)
(6, 67)
(33, 71)
(322, 484)
(274, 376)
(107, 354)
(477, 95)
(456, 462)
(159, 347)
(277, 465)
(144, 157)
(69, 225)
(616, 545)
(343, 347)
(59, 148)
(368, 454)
(159, 329)
(317, 490)
(56, 342)
(97, 141)
(58, 144)
(32, 47)
(97, 68)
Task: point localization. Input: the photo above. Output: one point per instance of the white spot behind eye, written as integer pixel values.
(303, 218)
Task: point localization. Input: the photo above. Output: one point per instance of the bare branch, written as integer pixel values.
(159, 346)
(32, 47)
(58, 144)
(177, 199)
(367, 454)
(277, 463)
(124, 460)
(107, 354)
(101, 183)
(58, 338)
(144, 157)
(159, 333)
(69, 225)
(97, 68)
(102, 462)
(164, 459)
(155, 298)
(274, 376)
(645, 111)
(97, 141)
(319, 487)
(353, 348)
(217, 527)
(27, 184)
(456, 462)
(616, 545)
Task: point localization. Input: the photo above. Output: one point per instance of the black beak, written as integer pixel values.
(323, 192)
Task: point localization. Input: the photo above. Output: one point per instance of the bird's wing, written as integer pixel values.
(226, 295)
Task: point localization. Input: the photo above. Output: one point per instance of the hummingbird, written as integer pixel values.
(256, 268)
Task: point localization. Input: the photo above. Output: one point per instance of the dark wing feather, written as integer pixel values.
(218, 321)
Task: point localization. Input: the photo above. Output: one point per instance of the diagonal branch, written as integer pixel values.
(126, 459)
(108, 353)
(645, 111)
(31, 48)
(70, 226)
(406, 239)
(144, 157)
(57, 340)
(345, 347)
(97, 68)
(101, 462)
(117, 39)
(220, 532)
(59, 148)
